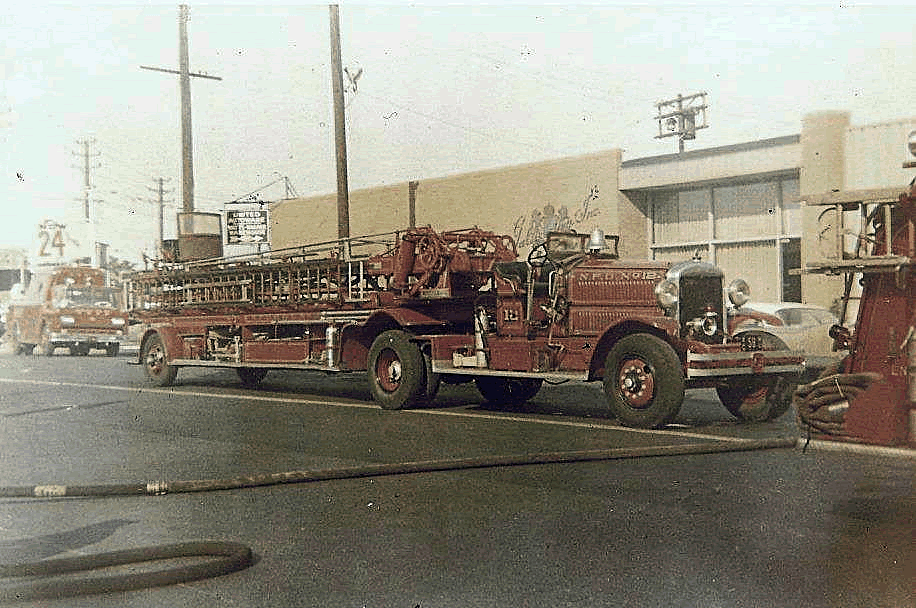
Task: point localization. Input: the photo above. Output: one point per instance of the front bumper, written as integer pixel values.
(744, 363)
(68, 338)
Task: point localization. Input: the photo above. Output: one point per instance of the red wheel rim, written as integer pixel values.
(636, 382)
(154, 359)
(388, 371)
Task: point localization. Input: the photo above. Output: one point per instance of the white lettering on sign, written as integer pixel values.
(604, 276)
(246, 226)
(50, 236)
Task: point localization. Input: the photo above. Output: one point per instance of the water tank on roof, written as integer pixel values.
(200, 235)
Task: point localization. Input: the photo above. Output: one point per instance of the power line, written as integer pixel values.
(484, 134)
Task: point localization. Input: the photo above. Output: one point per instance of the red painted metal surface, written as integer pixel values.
(885, 325)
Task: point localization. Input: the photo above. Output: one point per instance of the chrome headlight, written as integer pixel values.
(67, 321)
(710, 324)
(706, 325)
(118, 321)
(739, 292)
(666, 294)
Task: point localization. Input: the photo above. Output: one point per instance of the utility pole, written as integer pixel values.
(290, 190)
(184, 84)
(681, 117)
(340, 133)
(160, 190)
(187, 161)
(88, 214)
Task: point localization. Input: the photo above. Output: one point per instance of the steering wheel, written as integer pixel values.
(538, 256)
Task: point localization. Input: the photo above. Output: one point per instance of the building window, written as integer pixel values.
(750, 229)
(746, 211)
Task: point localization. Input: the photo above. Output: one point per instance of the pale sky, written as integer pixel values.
(443, 89)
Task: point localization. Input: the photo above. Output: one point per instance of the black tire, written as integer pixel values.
(762, 398)
(507, 391)
(18, 347)
(154, 360)
(433, 380)
(44, 348)
(251, 376)
(79, 350)
(644, 381)
(397, 371)
(758, 400)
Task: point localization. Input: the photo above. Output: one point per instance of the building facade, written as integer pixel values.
(740, 207)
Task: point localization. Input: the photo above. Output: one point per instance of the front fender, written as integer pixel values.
(171, 341)
(661, 327)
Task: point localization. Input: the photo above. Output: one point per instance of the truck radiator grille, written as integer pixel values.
(697, 295)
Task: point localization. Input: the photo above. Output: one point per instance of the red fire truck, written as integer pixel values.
(70, 307)
(421, 307)
(870, 237)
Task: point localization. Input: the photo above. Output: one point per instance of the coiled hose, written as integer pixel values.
(821, 405)
(230, 557)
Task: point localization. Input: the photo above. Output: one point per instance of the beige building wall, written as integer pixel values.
(525, 201)
(300, 221)
(823, 164)
(875, 155)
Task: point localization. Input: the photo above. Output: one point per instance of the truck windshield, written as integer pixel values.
(66, 296)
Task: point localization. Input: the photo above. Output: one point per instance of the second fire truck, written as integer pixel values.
(421, 307)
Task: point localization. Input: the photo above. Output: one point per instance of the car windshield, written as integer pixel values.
(66, 296)
(805, 316)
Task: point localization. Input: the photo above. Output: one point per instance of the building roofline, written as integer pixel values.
(785, 140)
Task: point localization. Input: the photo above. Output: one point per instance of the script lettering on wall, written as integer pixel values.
(532, 228)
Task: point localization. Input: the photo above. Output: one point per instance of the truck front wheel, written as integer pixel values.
(397, 371)
(508, 391)
(757, 400)
(18, 347)
(643, 381)
(44, 348)
(760, 398)
(155, 362)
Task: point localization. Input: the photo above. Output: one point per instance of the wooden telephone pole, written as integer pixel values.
(187, 160)
(340, 133)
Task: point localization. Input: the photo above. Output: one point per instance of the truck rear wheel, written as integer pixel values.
(510, 391)
(397, 371)
(154, 361)
(79, 350)
(644, 382)
(251, 376)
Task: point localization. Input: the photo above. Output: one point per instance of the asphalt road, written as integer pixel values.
(776, 527)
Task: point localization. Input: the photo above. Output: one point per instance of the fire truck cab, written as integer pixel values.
(70, 307)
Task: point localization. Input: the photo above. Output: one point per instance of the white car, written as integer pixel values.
(801, 327)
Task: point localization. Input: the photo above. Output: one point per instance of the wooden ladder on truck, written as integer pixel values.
(334, 271)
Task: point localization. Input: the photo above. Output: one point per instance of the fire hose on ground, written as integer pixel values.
(232, 557)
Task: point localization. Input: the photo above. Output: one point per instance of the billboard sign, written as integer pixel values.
(246, 227)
